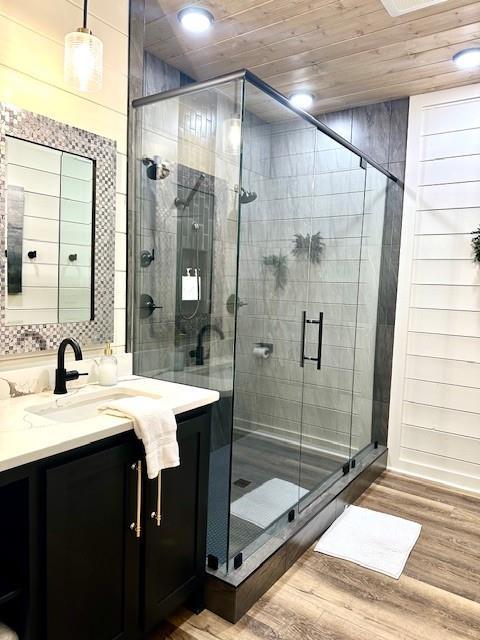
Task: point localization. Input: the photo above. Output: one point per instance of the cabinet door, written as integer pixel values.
(175, 550)
(90, 550)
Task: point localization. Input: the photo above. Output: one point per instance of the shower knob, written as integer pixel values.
(147, 306)
(147, 257)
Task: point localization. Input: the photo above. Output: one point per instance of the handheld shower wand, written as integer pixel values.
(186, 203)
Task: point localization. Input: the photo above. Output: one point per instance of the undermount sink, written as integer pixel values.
(82, 407)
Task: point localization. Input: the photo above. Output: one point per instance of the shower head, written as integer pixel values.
(247, 196)
(154, 170)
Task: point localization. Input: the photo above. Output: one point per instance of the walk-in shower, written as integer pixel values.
(266, 231)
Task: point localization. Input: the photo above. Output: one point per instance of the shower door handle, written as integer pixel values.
(318, 322)
(320, 340)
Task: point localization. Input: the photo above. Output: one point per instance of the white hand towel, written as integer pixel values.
(155, 424)
(6, 633)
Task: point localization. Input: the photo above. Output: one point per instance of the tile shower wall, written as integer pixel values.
(35, 82)
(187, 134)
(275, 397)
(381, 131)
(279, 163)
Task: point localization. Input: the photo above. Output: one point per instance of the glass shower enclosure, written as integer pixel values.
(257, 239)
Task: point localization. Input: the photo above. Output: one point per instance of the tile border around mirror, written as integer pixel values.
(42, 130)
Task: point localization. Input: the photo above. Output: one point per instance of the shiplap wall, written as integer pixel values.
(435, 407)
(31, 77)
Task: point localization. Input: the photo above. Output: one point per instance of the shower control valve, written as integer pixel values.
(147, 257)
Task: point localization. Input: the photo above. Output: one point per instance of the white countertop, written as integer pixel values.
(26, 437)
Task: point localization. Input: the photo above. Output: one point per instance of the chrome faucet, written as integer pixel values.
(199, 352)
(62, 376)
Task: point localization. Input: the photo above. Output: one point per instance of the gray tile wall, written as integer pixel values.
(270, 165)
(306, 183)
(188, 133)
(381, 131)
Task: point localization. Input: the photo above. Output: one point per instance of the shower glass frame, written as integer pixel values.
(232, 98)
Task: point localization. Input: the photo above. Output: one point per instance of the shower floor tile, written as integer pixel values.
(255, 460)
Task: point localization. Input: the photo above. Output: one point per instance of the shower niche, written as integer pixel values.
(195, 203)
(251, 178)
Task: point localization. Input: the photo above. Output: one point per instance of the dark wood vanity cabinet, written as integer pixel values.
(90, 550)
(102, 566)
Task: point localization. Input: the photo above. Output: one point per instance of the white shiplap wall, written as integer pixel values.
(435, 405)
(31, 77)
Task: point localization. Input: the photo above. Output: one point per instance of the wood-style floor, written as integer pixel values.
(322, 598)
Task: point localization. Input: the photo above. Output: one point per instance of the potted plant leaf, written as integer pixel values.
(476, 245)
(279, 265)
(306, 246)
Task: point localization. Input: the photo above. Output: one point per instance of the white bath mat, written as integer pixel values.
(268, 502)
(371, 539)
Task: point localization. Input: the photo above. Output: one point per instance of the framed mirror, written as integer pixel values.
(57, 233)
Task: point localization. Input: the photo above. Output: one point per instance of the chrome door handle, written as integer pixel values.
(157, 515)
(159, 498)
(137, 525)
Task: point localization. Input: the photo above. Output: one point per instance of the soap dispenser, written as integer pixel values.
(107, 370)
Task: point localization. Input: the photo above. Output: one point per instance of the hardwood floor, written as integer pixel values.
(322, 598)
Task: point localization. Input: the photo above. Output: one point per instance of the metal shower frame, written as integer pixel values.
(250, 77)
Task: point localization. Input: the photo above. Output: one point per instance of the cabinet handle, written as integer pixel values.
(137, 525)
(159, 498)
(157, 515)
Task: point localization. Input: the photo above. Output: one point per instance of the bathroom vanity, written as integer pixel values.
(89, 547)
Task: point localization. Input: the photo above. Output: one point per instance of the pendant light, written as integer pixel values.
(83, 63)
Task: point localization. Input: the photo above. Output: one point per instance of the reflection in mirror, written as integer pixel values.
(50, 226)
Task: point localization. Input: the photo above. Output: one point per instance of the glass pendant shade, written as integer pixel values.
(83, 65)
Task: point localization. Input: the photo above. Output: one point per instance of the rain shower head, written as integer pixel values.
(247, 196)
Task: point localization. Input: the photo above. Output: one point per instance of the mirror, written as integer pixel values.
(50, 232)
(57, 233)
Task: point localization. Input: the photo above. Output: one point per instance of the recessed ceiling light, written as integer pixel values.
(467, 58)
(195, 19)
(301, 100)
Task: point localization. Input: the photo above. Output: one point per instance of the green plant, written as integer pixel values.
(476, 244)
(279, 266)
(306, 246)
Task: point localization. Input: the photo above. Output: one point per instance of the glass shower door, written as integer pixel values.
(335, 241)
(187, 164)
(275, 208)
(366, 326)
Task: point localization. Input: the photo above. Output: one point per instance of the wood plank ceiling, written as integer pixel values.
(346, 52)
